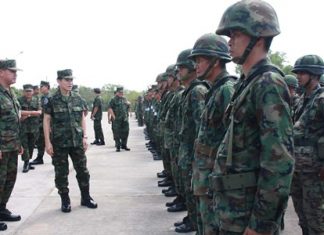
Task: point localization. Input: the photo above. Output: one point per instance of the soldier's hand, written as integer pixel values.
(85, 144)
(321, 174)
(21, 150)
(249, 231)
(49, 150)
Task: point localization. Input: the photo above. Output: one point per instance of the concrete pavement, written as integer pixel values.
(123, 184)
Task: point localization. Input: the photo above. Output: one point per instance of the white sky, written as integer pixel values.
(129, 42)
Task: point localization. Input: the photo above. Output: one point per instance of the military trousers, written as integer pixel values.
(98, 130)
(307, 192)
(40, 143)
(28, 142)
(8, 175)
(120, 130)
(60, 162)
(207, 213)
(175, 171)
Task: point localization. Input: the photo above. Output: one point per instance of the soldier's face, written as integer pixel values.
(303, 78)
(8, 76)
(44, 89)
(183, 72)
(28, 93)
(202, 64)
(238, 43)
(65, 84)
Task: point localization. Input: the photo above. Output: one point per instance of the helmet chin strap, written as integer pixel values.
(209, 68)
(248, 49)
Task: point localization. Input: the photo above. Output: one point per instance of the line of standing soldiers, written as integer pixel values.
(228, 147)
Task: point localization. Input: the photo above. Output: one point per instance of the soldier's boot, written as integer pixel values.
(95, 142)
(304, 230)
(183, 221)
(7, 215)
(125, 148)
(26, 167)
(3, 226)
(66, 203)
(37, 161)
(86, 199)
(101, 142)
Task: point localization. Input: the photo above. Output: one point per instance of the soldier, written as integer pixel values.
(64, 120)
(140, 110)
(44, 89)
(30, 113)
(292, 84)
(193, 103)
(96, 116)
(307, 189)
(10, 145)
(210, 53)
(254, 165)
(75, 88)
(118, 110)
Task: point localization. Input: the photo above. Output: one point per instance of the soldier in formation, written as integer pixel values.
(308, 180)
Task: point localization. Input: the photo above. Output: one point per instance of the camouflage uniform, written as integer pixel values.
(98, 102)
(41, 140)
(10, 143)
(193, 103)
(212, 129)
(120, 125)
(307, 188)
(67, 138)
(140, 111)
(254, 165)
(29, 126)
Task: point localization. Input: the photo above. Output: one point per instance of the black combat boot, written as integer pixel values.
(37, 161)
(3, 226)
(125, 148)
(6, 215)
(86, 199)
(95, 142)
(66, 203)
(26, 167)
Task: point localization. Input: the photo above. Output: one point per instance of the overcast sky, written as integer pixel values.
(129, 42)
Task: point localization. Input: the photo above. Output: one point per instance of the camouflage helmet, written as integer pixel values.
(312, 64)
(159, 77)
(291, 81)
(321, 81)
(254, 17)
(171, 70)
(183, 60)
(211, 45)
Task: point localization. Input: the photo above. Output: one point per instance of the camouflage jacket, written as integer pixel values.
(211, 131)
(30, 124)
(98, 103)
(120, 107)
(193, 103)
(9, 121)
(309, 131)
(43, 103)
(262, 145)
(66, 119)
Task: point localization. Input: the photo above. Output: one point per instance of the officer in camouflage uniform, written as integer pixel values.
(193, 103)
(96, 116)
(210, 53)
(64, 121)
(44, 89)
(307, 189)
(253, 168)
(10, 144)
(118, 109)
(30, 113)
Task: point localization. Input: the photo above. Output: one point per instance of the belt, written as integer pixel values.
(205, 149)
(232, 181)
(304, 149)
